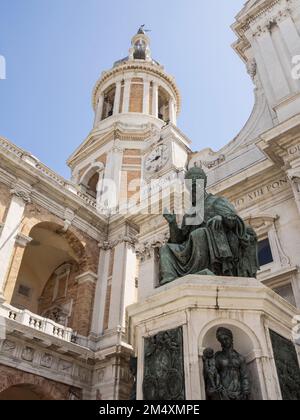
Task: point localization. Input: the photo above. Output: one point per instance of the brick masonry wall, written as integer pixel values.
(5, 199)
(136, 98)
(87, 252)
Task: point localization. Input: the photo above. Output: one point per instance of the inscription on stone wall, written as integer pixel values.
(256, 195)
(164, 367)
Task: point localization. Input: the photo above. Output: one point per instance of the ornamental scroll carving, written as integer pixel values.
(148, 249)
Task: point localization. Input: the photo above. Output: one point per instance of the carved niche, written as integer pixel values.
(164, 367)
(287, 366)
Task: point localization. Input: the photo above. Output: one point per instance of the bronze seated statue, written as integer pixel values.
(220, 243)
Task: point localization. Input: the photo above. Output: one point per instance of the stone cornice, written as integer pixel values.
(33, 167)
(23, 240)
(52, 195)
(258, 16)
(98, 138)
(22, 191)
(136, 66)
(145, 250)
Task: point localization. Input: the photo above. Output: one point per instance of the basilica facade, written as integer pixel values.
(76, 262)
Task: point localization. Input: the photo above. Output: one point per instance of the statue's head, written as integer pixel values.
(195, 174)
(208, 353)
(225, 337)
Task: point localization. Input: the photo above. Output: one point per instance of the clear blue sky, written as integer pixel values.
(56, 49)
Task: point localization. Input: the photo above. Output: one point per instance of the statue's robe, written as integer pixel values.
(230, 251)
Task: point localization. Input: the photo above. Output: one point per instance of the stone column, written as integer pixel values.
(155, 100)
(123, 292)
(12, 274)
(146, 97)
(99, 109)
(172, 111)
(10, 231)
(126, 98)
(117, 98)
(112, 179)
(294, 178)
(273, 65)
(101, 290)
(290, 34)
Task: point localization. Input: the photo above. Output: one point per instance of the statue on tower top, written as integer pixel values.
(142, 30)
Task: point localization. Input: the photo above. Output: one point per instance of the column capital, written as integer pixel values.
(22, 193)
(23, 240)
(147, 250)
(129, 240)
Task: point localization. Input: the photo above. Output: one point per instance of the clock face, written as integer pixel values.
(157, 159)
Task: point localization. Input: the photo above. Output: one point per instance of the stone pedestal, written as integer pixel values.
(198, 306)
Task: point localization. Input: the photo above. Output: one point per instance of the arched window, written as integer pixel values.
(92, 178)
(108, 103)
(140, 50)
(163, 105)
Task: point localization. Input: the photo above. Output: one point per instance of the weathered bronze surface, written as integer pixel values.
(225, 373)
(164, 367)
(133, 370)
(287, 367)
(219, 243)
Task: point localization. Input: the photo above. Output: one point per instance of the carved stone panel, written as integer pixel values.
(164, 367)
(287, 365)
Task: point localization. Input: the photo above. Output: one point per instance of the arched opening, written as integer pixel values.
(163, 105)
(92, 184)
(46, 283)
(91, 180)
(23, 392)
(140, 50)
(245, 343)
(108, 104)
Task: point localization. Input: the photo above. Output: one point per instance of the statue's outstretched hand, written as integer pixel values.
(170, 217)
(215, 223)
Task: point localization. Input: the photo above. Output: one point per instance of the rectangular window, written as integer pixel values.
(62, 287)
(264, 252)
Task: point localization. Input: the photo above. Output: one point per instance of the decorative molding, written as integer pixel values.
(147, 250)
(252, 68)
(94, 229)
(23, 240)
(88, 277)
(50, 365)
(23, 194)
(11, 151)
(129, 240)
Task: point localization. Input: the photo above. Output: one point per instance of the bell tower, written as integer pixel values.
(136, 105)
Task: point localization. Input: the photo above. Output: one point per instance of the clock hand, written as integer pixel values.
(155, 159)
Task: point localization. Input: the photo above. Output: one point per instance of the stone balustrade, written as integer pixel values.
(47, 326)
